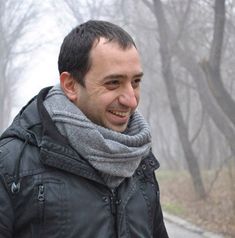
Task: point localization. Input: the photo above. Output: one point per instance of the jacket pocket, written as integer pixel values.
(50, 204)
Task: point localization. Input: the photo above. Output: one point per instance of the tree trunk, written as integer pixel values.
(182, 129)
(212, 68)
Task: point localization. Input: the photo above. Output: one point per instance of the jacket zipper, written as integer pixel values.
(41, 199)
(114, 202)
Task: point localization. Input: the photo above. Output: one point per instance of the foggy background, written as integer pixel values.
(188, 54)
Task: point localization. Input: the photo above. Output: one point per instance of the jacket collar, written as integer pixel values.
(49, 128)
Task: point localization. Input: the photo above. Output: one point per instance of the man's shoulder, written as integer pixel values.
(9, 152)
(9, 145)
(13, 151)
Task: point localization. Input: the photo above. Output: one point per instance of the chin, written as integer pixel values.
(118, 128)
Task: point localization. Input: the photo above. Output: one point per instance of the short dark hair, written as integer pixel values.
(75, 49)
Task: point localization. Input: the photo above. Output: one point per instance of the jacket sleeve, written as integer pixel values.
(6, 212)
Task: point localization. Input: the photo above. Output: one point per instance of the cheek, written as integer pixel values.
(107, 99)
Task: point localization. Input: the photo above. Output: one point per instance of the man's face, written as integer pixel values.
(112, 85)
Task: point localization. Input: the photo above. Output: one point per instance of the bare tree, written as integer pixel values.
(213, 65)
(15, 18)
(202, 74)
(166, 58)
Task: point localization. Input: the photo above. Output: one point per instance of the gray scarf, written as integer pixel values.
(116, 155)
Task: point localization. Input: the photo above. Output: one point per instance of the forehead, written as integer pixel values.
(112, 52)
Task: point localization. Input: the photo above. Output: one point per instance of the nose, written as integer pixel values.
(129, 97)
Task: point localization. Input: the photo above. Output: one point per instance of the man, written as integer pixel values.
(77, 161)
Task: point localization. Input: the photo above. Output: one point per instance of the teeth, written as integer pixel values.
(122, 114)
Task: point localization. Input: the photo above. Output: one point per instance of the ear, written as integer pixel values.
(69, 85)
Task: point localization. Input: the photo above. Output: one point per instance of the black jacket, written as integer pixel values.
(47, 190)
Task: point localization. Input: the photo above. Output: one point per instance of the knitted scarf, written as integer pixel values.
(115, 155)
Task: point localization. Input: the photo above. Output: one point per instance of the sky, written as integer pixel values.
(40, 69)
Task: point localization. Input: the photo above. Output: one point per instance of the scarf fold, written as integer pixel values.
(115, 155)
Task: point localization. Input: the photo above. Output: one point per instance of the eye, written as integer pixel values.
(136, 83)
(112, 84)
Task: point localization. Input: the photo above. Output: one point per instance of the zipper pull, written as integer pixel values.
(41, 196)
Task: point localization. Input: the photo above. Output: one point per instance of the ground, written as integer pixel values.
(215, 213)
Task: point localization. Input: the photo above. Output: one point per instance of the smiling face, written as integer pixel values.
(112, 85)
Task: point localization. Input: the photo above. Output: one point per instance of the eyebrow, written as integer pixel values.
(120, 76)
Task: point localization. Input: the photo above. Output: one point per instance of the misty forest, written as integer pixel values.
(188, 91)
